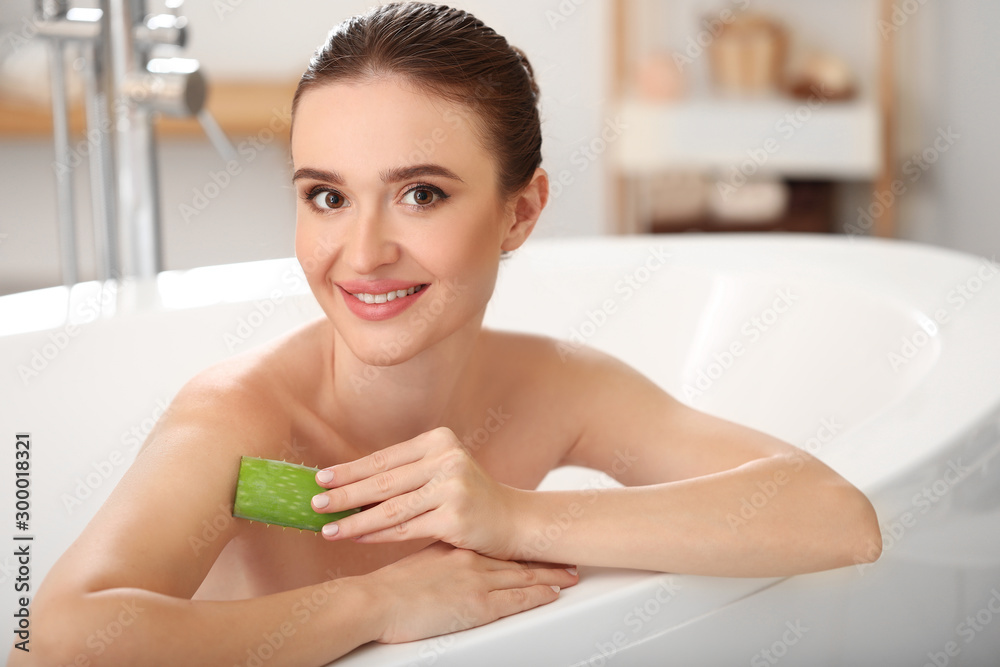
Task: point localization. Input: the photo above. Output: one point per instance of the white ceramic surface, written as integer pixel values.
(880, 357)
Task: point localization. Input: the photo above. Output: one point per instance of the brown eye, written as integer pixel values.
(329, 199)
(424, 196)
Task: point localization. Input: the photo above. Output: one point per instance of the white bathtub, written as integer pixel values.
(880, 357)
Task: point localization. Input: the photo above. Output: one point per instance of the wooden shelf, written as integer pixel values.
(778, 136)
(809, 210)
(240, 108)
(841, 140)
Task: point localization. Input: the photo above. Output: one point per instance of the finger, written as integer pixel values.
(376, 462)
(570, 569)
(541, 563)
(499, 563)
(514, 600)
(375, 489)
(397, 519)
(523, 577)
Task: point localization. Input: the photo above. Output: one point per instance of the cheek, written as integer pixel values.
(303, 252)
(465, 247)
(313, 249)
(469, 259)
(300, 242)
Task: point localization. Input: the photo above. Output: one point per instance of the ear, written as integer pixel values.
(523, 211)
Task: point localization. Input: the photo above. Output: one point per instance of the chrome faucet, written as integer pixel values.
(125, 86)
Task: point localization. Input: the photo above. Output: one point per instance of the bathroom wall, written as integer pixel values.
(949, 86)
(970, 94)
(253, 217)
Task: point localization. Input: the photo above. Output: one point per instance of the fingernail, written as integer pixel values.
(555, 588)
(320, 501)
(324, 476)
(571, 570)
(331, 529)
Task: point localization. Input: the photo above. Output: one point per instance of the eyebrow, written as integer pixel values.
(393, 175)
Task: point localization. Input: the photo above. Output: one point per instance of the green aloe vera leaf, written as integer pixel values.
(280, 493)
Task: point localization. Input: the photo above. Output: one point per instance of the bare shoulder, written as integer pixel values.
(623, 422)
(580, 383)
(558, 363)
(514, 358)
(183, 479)
(611, 409)
(250, 394)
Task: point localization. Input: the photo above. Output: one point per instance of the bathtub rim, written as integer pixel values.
(745, 587)
(256, 279)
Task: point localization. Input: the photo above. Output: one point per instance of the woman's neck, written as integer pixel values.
(377, 406)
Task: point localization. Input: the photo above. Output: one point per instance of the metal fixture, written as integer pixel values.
(125, 86)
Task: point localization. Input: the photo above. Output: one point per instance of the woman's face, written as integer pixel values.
(399, 227)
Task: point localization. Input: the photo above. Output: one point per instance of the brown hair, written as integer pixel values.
(454, 55)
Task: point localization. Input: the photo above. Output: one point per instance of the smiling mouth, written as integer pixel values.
(364, 297)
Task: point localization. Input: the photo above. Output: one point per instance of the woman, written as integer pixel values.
(416, 152)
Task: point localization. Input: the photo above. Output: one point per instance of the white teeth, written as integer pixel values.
(388, 296)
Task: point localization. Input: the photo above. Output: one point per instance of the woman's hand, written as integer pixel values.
(429, 486)
(441, 589)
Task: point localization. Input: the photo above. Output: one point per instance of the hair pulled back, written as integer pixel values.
(451, 53)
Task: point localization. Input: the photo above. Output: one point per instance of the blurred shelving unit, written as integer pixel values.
(241, 108)
(703, 131)
(837, 141)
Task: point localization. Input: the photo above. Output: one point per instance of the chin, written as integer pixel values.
(392, 342)
(382, 352)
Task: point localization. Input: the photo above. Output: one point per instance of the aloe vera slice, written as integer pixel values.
(280, 493)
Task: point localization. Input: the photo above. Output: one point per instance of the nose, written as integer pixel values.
(370, 243)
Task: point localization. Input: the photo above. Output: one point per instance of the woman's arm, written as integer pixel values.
(436, 590)
(135, 626)
(704, 496)
(774, 516)
(121, 594)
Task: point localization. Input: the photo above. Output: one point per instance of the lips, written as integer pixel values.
(380, 299)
